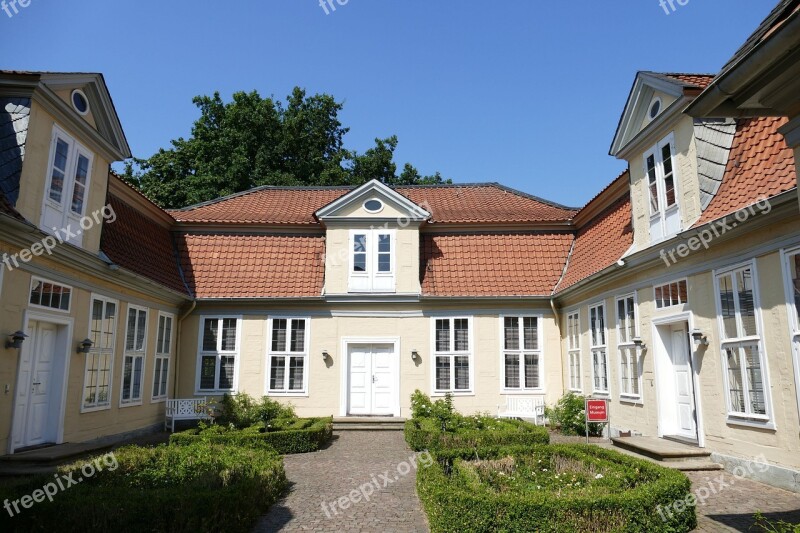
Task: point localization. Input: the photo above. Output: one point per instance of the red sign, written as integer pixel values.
(596, 410)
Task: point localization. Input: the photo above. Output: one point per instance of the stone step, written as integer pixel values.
(661, 449)
(368, 423)
(687, 465)
(55, 455)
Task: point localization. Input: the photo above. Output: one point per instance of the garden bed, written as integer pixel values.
(549, 488)
(471, 432)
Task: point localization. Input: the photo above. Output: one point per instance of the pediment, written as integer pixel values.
(373, 201)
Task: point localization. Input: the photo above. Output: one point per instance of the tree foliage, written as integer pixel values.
(252, 141)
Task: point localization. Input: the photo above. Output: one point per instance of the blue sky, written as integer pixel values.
(527, 93)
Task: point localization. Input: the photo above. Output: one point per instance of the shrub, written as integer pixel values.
(462, 493)
(242, 411)
(194, 488)
(283, 436)
(570, 414)
(775, 527)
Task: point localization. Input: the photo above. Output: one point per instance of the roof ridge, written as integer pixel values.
(533, 197)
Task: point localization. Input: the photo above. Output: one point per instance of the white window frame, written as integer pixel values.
(288, 355)
(668, 286)
(75, 150)
(597, 348)
(634, 366)
(134, 354)
(371, 280)
(219, 354)
(35, 279)
(663, 210)
(163, 357)
(747, 417)
(574, 352)
(792, 312)
(522, 352)
(97, 406)
(452, 353)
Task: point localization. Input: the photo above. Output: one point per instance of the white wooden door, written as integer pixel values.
(684, 391)
(372, 379)
(360, 380)
(34, 387)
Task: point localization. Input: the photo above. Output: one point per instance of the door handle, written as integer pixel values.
(374, 379)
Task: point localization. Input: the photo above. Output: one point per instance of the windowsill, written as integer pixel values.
(442, 394)
(137, 403)
(576, 391)
(602, 394)
(279, 394)
(633, 400)
(95, 409)
(213, 392)
(751, 423)
(158, 400)
(520, 392)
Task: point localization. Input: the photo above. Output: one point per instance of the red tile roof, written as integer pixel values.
(760, 165)
(698, 80)
(141, 245)
(253, 266)
(502, 264)
(479, 203)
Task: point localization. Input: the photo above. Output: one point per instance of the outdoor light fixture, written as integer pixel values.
(414, 354)
(699, 338)
(639, 343)
(85, 346)
(17, 338)
(325, 355)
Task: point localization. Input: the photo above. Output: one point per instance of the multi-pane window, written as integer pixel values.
(574, 351)
(288, 355)
(659, 164)
(219, 350)
(522, 352)
(163, 352)
(741, 344)
(630, 378)
(599, 349)
(100, 359)
(133, 360)
(372, 263)
(671, 294)
(51, 295)
(452, 354)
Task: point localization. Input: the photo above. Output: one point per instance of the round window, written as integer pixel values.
(655, 108)
(373, 206)
(79, 102)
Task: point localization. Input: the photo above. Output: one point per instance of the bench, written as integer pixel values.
(185, 409)
(523, 407)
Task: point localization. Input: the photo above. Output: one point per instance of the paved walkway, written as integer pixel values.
(356, 461)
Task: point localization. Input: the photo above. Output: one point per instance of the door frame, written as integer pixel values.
(344, 387)
(65, 322)
(660, 357)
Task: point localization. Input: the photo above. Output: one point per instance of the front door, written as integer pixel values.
(34, 392)
(372, 379)
(684, 389)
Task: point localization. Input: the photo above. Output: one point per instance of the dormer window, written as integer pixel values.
(372, 265)
(659, 162)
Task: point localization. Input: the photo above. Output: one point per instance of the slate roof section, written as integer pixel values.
(139, 244)
(500, 264)
(760, 165)
(713, 138)
(253, 266)
(14, 119)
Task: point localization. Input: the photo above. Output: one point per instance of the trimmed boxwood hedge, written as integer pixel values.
(301, 435)
(456, 502)
(425, 434)
(201, 487)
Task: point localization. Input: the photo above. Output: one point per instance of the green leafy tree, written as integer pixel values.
(252, 141)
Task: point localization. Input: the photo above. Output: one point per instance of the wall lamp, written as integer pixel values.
(699, 338)
(85, 346)
(414, 354)
(325, 355)
(639, 343)
(17, 338)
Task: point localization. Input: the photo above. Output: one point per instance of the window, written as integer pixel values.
(671, 294)
(597, 326)
(574, 349)
(627, 332)
(793, 272)
(288, 355)
(655, 108)
(100, 359)
(452, 354)
(522, 352)
(373, 206)
(663, 197)
(743, 358)
(372, 261)
(219, 345)
(67, 184)
(133, 360)
(163, 353)
(50, 295)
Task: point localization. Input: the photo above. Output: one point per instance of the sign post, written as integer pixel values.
(596, 412)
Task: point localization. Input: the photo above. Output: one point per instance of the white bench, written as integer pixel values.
(523, 407)
(185, 409)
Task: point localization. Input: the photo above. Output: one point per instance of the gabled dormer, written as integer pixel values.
(660, 144)
(372, 242)
(61, 133)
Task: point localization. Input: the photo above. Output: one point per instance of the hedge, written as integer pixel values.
(455, 503)
(201, 487)
(424, 434)
(297, 436)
